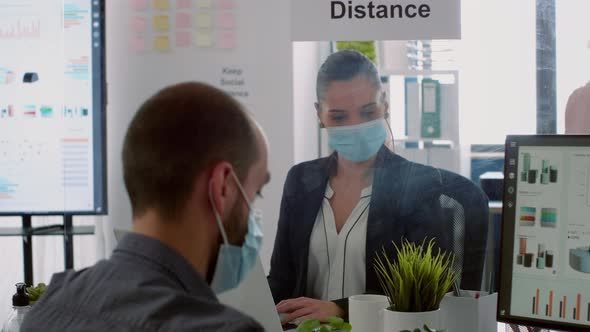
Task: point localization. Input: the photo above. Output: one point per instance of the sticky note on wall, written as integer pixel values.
(183, 20)
(203, 20)
(139, 4)
(183, 39)
(226, 4)
(227, 40)
(161, 23)
(138, 44)
(226, 20)
(139, 24)
(162, 44)
(203, 38)
(183, 4)
(162, 4)
(204, 3)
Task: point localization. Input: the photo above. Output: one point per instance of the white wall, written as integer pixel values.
(263, 48)
(496, 60)
(306, 62)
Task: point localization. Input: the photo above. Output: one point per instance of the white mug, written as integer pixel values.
(365, 312)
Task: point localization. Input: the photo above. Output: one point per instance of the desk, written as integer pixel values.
(501, 328)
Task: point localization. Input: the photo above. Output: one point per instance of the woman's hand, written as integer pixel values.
(304, 308)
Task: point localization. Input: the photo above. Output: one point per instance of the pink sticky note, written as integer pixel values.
(226, 40)
(183, 20)
(139, 4)
(183, 39)
(183, 4)
(226, 4)
(226, 20)
(138, 44)
(139, 24)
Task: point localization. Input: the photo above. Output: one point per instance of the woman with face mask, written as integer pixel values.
(336, 212)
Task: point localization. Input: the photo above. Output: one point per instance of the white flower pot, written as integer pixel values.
(395, 321)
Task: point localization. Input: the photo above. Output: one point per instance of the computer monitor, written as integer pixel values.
(545, 253)
(52, 107)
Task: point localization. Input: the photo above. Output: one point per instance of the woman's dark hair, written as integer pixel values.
(345, 65)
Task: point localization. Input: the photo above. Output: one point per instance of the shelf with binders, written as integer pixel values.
(425, 116)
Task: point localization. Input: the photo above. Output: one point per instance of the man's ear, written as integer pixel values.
(220, 189)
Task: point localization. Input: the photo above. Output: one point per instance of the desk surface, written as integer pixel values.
(501, 328)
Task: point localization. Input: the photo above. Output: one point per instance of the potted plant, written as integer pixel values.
(415, 285)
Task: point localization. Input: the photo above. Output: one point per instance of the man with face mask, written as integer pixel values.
(193, 163)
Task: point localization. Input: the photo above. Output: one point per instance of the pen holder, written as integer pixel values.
(466, 313)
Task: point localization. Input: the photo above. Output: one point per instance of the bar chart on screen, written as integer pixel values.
(19, 19)
(545, 303)
(20, 28)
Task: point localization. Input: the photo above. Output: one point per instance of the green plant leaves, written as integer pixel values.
(335, 321)
(419, 279)
(308, 325)
(336, 324)
(35, 292)
(365, 47)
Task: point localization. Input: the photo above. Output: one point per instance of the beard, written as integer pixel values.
(237, 225)
(236, 228)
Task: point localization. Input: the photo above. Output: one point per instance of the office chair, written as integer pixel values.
(466, 211)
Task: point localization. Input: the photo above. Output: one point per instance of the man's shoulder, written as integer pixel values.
(147, 307)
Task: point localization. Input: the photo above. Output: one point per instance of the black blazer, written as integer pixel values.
(405, 202)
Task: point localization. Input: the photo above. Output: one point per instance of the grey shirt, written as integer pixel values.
(144, 286)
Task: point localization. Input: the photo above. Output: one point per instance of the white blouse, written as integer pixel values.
(336, 262)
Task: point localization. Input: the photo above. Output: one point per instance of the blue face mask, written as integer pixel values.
(233, 262)
(360, 142)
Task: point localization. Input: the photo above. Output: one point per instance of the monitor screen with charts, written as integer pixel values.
(545, 259)
(52, 101)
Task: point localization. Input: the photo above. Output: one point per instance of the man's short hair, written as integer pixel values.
(177, 134)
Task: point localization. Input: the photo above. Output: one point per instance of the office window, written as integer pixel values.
(495, 62)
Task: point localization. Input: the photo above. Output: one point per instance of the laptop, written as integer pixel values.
(253, 298)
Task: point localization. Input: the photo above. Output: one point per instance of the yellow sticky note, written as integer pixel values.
(162, 4)
(203, 38)
(162, 44)
(204, 3)
(161, 23)
(203, 20)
